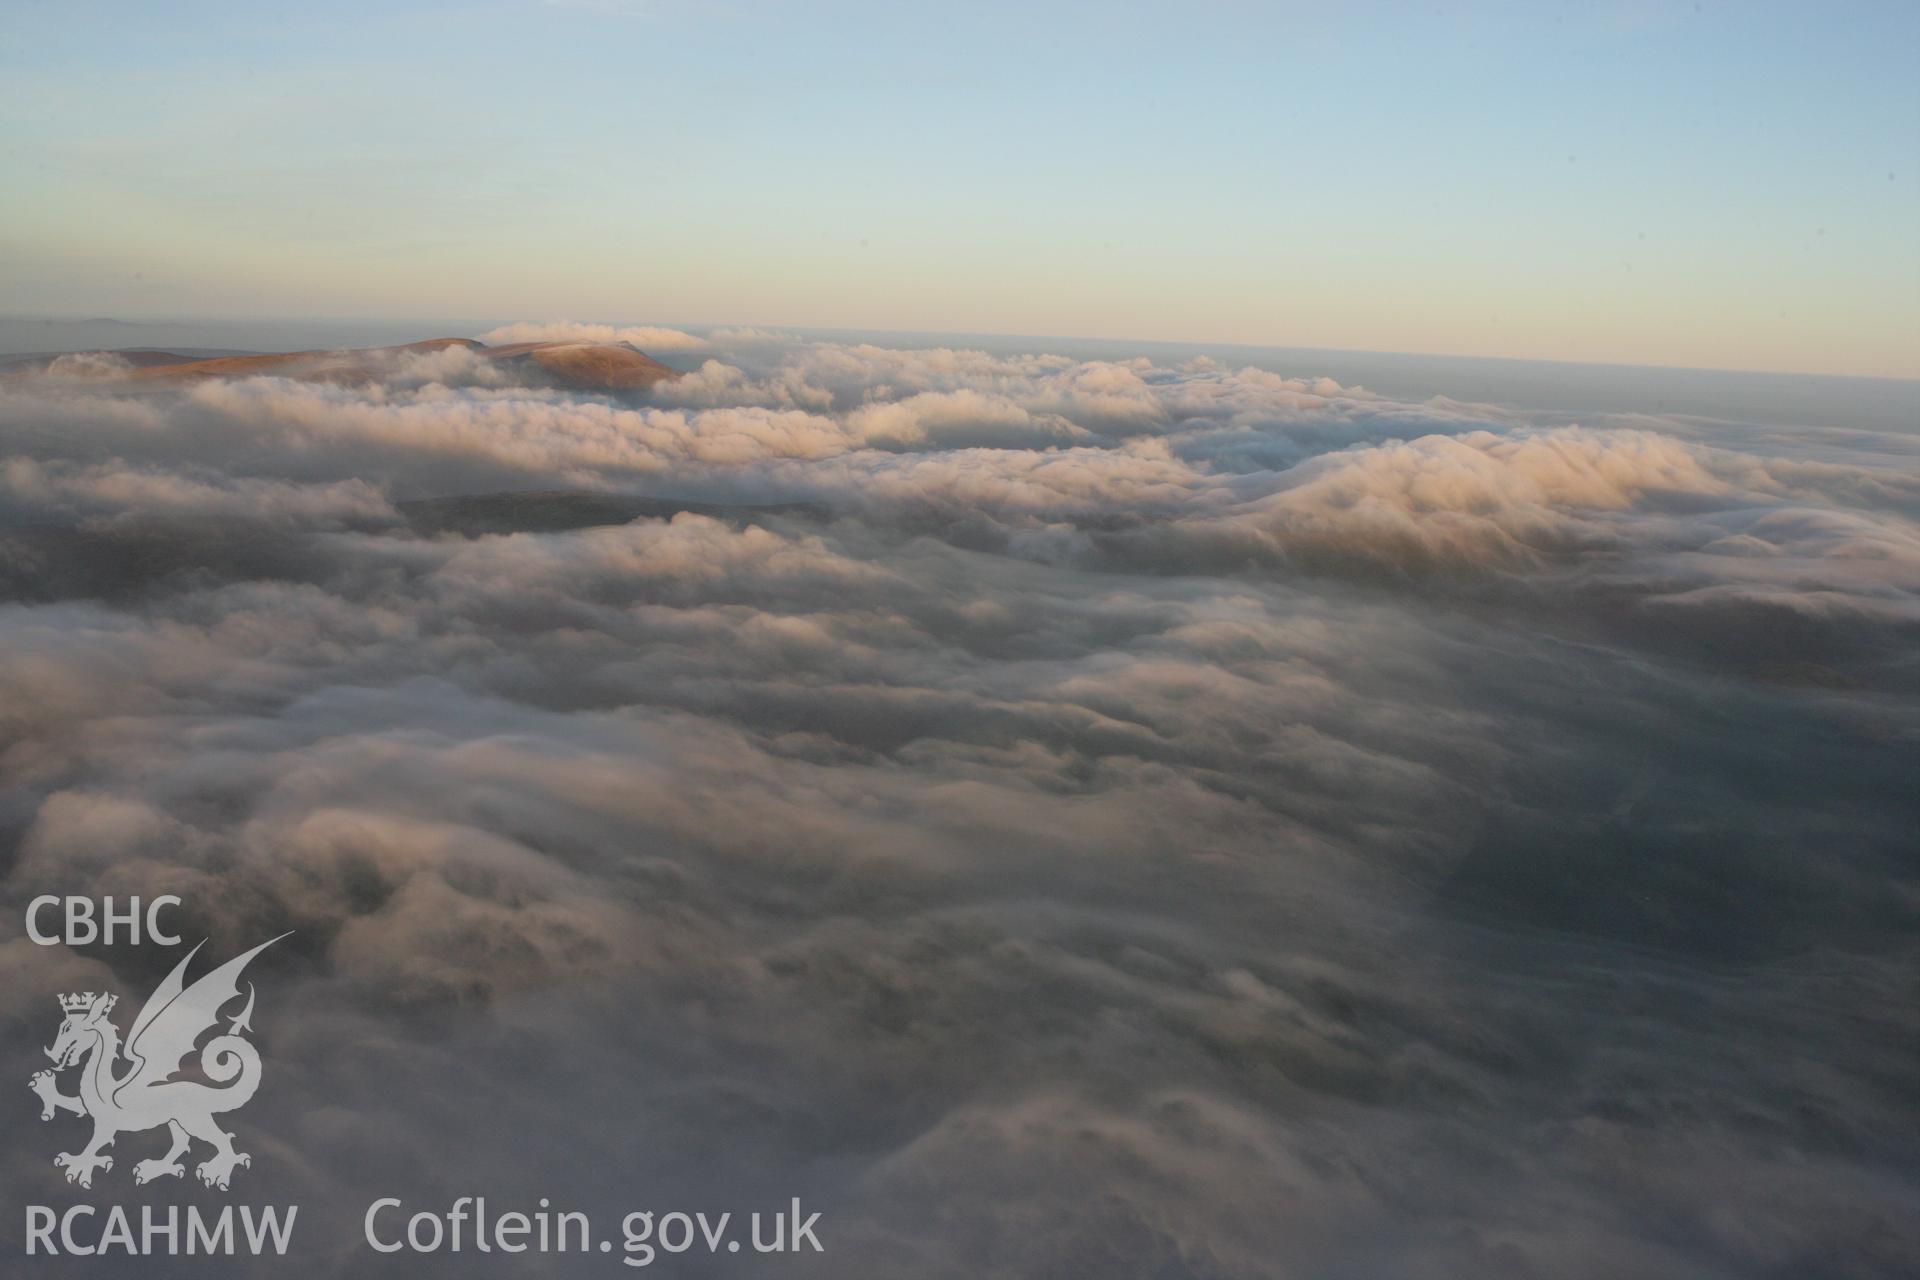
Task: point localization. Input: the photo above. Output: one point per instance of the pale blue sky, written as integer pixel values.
(1730, 185)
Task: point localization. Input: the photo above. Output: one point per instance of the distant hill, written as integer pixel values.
(582, 366)
(138, 357)
(608, 366)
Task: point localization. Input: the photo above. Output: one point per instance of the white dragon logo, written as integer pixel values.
(147, 1095)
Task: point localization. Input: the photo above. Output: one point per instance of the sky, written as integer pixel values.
(1711, 185)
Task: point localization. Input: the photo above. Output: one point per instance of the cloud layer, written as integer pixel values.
(1055, 815)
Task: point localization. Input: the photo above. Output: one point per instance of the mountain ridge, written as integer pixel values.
(575, 365)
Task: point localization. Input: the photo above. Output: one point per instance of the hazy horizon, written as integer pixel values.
(1734, 395)
(450, 326)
